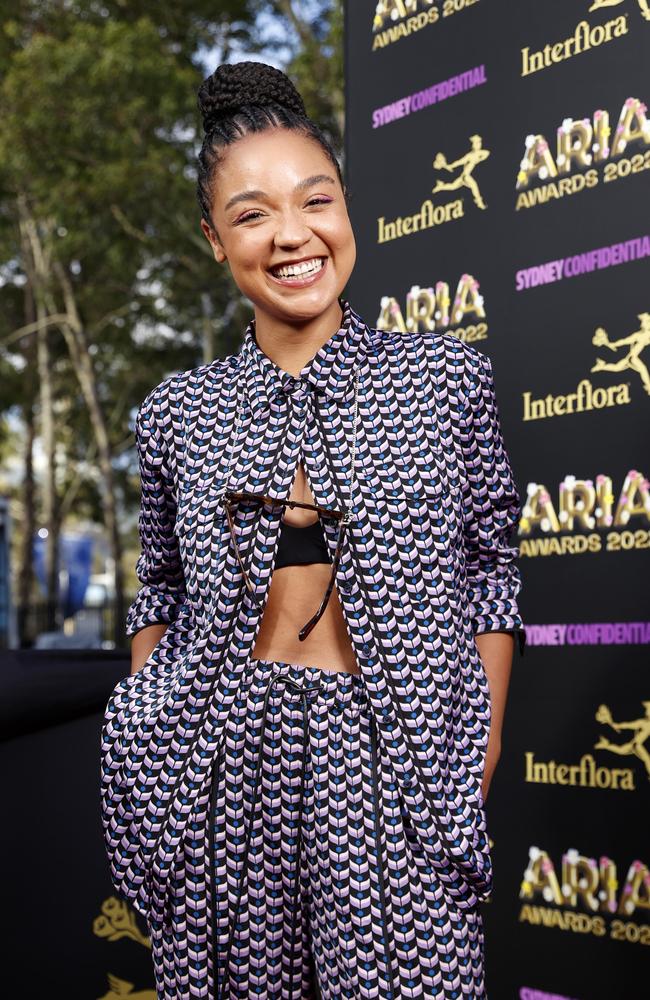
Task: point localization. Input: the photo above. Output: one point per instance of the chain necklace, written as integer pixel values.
(347, 517)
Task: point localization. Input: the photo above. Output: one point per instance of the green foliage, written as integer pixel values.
(98, 139)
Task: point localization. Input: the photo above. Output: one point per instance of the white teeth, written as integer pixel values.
(294, 270)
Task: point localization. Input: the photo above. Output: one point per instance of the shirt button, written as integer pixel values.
(366, 647)
(345, 587)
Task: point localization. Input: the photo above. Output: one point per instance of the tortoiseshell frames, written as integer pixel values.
(231, 497)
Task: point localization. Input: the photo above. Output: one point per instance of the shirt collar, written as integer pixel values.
(328, 373)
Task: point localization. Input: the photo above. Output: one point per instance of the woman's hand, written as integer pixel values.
(491, 760)
(143, 644)
(496, 651)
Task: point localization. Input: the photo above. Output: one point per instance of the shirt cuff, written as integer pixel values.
(518, 634)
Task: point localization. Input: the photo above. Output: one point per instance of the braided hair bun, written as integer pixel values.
(232, 86)
(242, 99)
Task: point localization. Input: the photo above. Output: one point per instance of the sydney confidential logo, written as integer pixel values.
(437, 92)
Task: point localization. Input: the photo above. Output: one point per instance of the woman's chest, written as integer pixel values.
(394, 468)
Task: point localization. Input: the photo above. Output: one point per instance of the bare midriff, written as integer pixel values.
(295, 594)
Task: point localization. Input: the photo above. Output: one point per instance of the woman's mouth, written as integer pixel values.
(306, 272)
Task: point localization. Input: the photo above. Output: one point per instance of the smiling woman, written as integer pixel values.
(294, 773)
(274, 208)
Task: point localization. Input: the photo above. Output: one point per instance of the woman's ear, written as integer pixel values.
(212, 237)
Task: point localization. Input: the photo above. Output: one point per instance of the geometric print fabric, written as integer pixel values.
(303, 786)
(427, 565)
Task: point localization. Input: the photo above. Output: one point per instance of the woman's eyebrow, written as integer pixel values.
(312, 181)
(262, 196)
(246, 196)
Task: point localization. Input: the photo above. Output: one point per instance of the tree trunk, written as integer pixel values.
(75, 336)
(36, 266)
(25, 575)
(77, 344)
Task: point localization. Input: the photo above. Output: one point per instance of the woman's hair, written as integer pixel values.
(242, 98)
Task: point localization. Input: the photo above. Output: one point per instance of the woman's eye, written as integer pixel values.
(253, 214)
(317, 200)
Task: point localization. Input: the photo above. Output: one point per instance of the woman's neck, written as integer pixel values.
(291, 345)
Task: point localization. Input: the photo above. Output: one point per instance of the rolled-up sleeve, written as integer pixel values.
(159, 568)
(491, 507)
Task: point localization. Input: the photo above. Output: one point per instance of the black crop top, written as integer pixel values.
(301, 545)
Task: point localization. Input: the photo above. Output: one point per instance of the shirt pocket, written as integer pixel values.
(431, 515)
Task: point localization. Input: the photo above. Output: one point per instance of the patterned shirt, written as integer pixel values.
(426, 567)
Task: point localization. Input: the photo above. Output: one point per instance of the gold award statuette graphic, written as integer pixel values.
(588, 396)
(644, 6)
(115, 922)
(431, 214)
(635, 746)
(466, 164)
(587, 773)
(631, 361)
(586, 36)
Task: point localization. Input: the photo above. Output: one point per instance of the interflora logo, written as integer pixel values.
(584, 896)
(431, 214)
(586, 36)
(116, 922)
(434, 309)
(584, 505)
(398, 19)
(611, 357)
(587, 773)
(587, 150)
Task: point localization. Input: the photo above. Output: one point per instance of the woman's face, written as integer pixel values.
(282, 224)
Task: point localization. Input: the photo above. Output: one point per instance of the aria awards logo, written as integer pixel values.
(622, 354)
(584, 505)
(584, 894)
(433, 309)
(586, 151)
(398, 19)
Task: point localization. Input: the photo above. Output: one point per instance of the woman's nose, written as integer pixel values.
(291, 231)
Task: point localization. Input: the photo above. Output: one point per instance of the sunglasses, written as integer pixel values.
(231, 498)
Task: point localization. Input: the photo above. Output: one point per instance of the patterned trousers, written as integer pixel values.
(320, 888)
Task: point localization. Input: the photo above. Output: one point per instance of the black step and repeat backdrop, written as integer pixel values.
(498, 158)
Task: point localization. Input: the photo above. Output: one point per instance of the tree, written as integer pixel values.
(107, 283)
